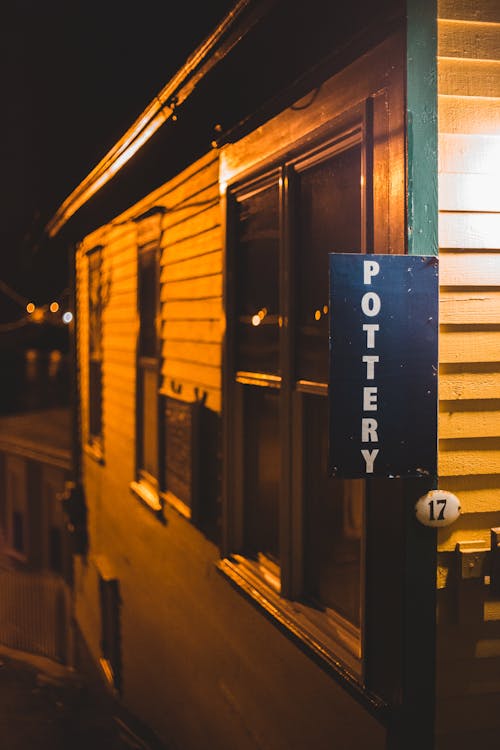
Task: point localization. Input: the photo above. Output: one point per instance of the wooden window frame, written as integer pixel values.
(94, 444)
(286, 583)
(366, 93)
(146, 486)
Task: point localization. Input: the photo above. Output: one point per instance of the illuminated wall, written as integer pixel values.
(469, 238)
(468, 644)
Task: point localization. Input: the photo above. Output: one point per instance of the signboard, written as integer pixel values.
(383, 365)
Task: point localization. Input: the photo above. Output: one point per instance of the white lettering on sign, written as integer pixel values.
(370, 268)
(369, 457)
(370, 306)
(371, 329)
(370, 398)
(370, 360)
(369, 428)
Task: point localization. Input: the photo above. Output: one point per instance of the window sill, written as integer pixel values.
(181, 508)
(95, 452)
(108, 674)
(307, 628)
(148, 496)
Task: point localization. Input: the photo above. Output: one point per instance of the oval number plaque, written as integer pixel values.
(438, 508)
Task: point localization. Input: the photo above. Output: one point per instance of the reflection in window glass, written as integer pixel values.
(147, 290)
(334, 522)
(330, 220)
(257, 285)
(262, 472)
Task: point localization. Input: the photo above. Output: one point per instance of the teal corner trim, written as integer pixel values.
(422, 127)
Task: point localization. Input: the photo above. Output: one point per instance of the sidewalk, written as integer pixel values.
(44, 706)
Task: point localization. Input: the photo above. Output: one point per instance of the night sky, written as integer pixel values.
(75, 74)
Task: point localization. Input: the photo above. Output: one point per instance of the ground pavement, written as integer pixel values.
(45, 707)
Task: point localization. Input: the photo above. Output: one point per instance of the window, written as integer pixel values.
(95, 349)
(147, 383)
(292, 530)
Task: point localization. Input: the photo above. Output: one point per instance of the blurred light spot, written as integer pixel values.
(54, 307)
(256, 319)
(30, 307)
(67, 317)
(317, 315)
(325, 309)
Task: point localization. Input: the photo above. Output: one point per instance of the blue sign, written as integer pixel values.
(383, 365)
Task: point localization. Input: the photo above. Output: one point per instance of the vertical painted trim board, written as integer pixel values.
(413, 727)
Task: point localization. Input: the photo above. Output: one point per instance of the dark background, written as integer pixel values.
(75, 74)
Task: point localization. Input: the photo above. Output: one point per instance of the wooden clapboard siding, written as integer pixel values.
(469, 384)
(119, 330)
(466, 306)
(469, 77)
(82, 340)
(194, 246)
(470, 10)
(191, 285)
(470, 381)
(469, 234)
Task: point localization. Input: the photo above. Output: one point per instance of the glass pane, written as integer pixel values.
(95, 398)
(147, 302)
(330, 220)
(334, 523)
(257, 286)
(262, 471)
(148, 442)
(95, 305)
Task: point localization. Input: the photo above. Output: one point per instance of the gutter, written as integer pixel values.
(235, 25)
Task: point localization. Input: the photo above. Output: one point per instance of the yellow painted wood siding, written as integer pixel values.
(469, 238)
(191, 285)
(468, 640)
(119, 331)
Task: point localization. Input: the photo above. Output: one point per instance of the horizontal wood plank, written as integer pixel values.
(455, 422)
(473, 457)
(469, 385)
(466, 153)
(195, 225)
(468, 192)
(469, 269)
(202, 288)
(472, 346)
(188, 310)
(208, 331)
(203, 265)
(472, 10)
(191, 247)
(468, 114)
(469, 39)
(193, 373)
(478, 494)
(201, 198)
(463, 307)
(460, 77)
(469, 230)
(199, 352)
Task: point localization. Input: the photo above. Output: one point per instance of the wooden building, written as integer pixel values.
(233, 594)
